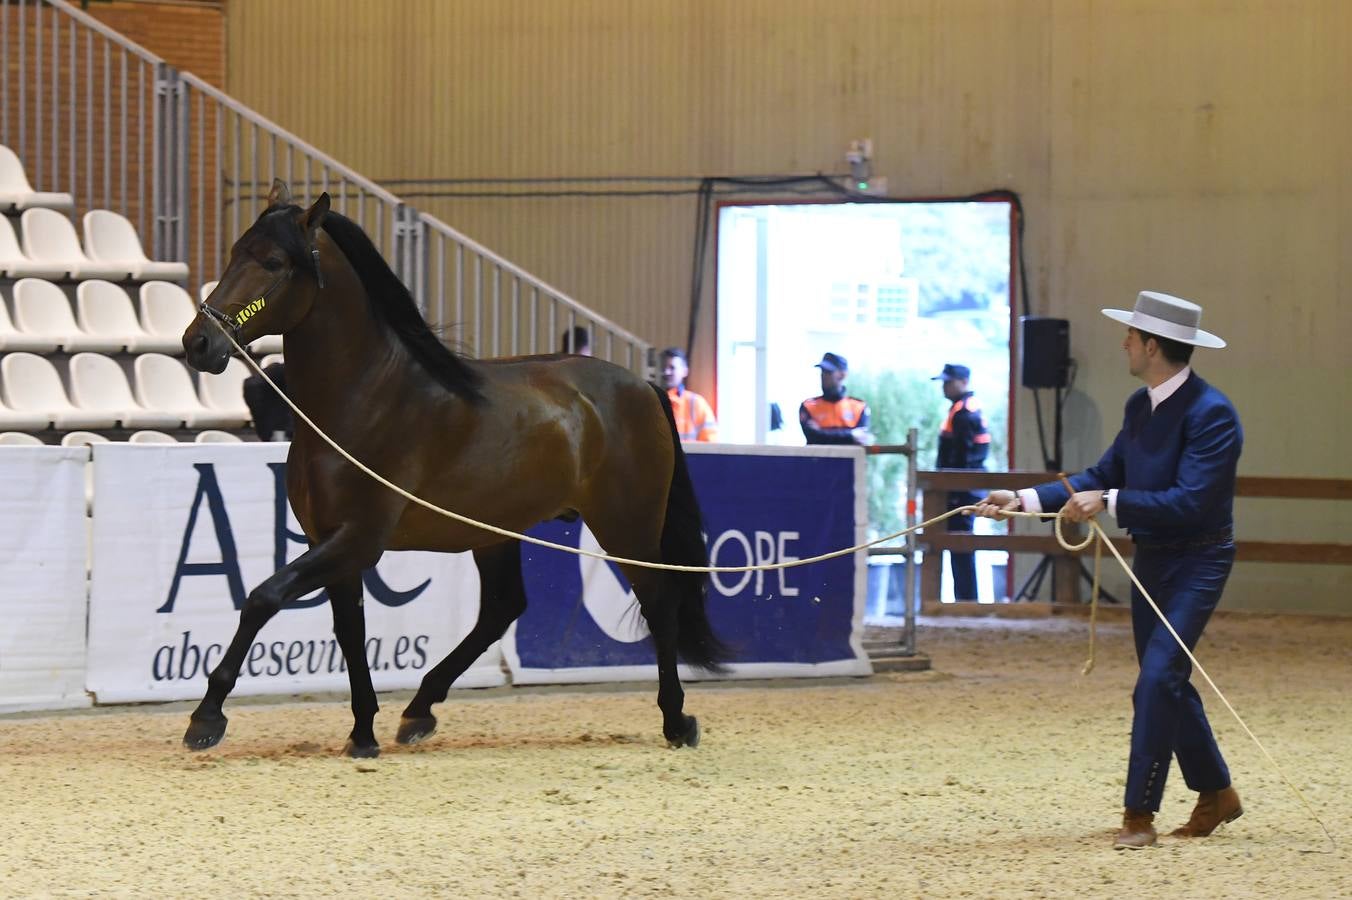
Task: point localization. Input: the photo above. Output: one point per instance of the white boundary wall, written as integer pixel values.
(181, 533)
(43, 549)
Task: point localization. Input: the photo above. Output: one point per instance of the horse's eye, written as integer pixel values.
(272, 264)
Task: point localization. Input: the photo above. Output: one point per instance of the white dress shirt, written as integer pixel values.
(1158, 394)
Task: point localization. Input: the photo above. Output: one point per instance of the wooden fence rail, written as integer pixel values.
(935, 485)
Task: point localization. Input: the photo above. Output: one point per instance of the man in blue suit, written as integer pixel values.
(1169, 479)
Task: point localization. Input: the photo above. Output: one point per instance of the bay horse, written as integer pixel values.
(512, 442)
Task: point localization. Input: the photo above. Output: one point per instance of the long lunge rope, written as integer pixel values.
(541, 542)
(1096, 534)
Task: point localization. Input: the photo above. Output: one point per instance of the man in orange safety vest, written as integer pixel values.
(694, 417)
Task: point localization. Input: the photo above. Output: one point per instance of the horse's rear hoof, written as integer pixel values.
(411, 731)
(361, 751)
(204, 733)
(688, 738)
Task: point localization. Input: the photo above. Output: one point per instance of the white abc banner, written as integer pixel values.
(42, 593)
(183, 532)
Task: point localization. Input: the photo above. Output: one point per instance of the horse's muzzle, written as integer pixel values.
(204, 351)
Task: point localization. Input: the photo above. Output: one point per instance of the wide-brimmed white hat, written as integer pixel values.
(1167, 316)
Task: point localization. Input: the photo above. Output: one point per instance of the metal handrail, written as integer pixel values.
(200, 162)
(544, 287)
(104, 31)
(278, 131)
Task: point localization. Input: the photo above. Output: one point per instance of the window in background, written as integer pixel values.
(897, 288)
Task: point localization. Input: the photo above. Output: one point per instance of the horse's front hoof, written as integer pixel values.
(363, 750)
(689, 737)
(203, 734)
(411, 731)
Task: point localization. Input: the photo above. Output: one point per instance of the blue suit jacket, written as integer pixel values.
(1174, 469)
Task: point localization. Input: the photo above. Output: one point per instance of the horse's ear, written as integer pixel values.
(280, 195)
(313, 217)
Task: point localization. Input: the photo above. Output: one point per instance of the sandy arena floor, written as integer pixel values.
(997, 774)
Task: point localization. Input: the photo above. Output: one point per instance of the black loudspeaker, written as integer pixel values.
(1046, 352)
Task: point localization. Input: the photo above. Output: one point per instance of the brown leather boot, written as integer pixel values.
(1138, 830)
(1213, 809)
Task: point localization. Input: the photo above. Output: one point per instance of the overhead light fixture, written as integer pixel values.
(859, 157)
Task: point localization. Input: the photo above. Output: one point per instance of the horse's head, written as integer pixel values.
(268, 285)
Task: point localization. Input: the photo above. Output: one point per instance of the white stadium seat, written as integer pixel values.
(15, 264)
(205, 290)
(39, 313)
(27, 420)
(163, 383)
(50, 238)
(213, 436)
(104, 309)
(109, 238)
(12, 338)
(151, 437)
(268, 343)
(31, 420)
(97, 382)
(82, 439)
(225, 392)
(166, 310)
(31, 385)
(19, 439)
(41, 308)
(17, 195)
(270, 359)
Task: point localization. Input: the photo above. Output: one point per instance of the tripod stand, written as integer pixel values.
(1033, 583)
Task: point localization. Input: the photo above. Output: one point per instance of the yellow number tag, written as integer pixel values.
(248, 312)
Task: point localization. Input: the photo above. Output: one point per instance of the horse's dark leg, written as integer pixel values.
(502, 598)
(657, 600)
(341, 554)
(349, 627)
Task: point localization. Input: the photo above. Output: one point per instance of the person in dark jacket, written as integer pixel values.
(832, 417)
(271, 416)
(963, 444)
(576, 340)
(1169, 479)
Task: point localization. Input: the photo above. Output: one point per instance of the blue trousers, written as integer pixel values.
(1169, 720)
(962, 565)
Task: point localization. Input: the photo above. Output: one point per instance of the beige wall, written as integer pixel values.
(1202, 147)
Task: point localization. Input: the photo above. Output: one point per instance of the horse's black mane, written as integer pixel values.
(390, 301)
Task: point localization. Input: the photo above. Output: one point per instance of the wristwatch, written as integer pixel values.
(1105, 499)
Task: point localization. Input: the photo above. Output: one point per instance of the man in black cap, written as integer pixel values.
(834, 418)
(963, 444)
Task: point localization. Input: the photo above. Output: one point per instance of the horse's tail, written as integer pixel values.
(683, 545)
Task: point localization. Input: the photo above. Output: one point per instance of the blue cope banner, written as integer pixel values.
(761, 505)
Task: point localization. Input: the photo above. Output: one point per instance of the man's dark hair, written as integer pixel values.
(1176, 352)
(675, 353)
(576, 339)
